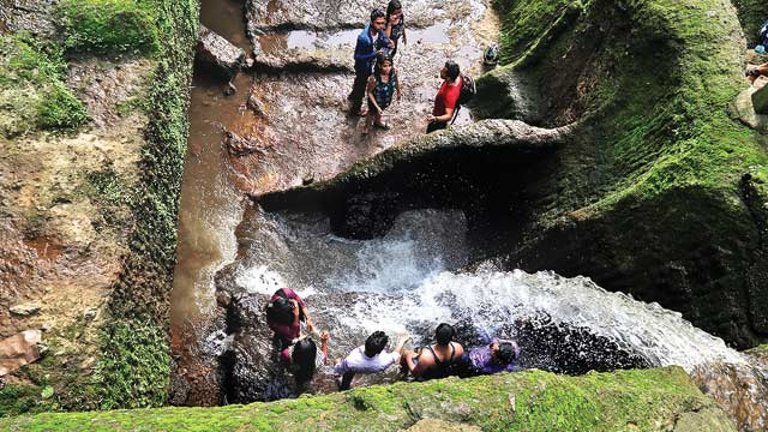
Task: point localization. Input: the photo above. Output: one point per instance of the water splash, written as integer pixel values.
(410, 280)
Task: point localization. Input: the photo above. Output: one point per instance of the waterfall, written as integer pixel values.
(412, 279)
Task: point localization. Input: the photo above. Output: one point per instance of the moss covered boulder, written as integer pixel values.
(656, 190)
(648, 400)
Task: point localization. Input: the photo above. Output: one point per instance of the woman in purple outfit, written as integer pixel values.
(498, 356)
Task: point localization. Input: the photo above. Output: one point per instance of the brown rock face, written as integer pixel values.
(740, 390)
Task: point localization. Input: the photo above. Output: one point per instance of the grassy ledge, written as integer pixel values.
(110, 26)
(647, 400)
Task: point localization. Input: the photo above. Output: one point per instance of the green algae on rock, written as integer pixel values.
(33, 89)
(134, 369)
(109, 26)
(647, 400)
(105, 350)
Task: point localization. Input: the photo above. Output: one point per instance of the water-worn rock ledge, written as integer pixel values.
(456, 169)
(647, 400)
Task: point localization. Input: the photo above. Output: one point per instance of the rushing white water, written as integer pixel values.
(410, 281)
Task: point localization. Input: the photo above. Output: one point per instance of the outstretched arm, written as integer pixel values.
(324, 336)
(401, 343)
(397, 85)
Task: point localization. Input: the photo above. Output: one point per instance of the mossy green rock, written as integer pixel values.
(642, 400)
(33, 90)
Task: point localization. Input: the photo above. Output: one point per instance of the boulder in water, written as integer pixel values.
(216, 51)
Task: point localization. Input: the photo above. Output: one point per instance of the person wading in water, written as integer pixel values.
(371, 41)
(369, 358)
(285, 312)
(438, 360)
(447, 97)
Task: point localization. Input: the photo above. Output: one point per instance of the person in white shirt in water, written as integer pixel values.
(369, 358)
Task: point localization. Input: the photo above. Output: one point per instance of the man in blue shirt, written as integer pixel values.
(369, 43)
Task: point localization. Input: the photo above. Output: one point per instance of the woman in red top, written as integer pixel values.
(447, 97)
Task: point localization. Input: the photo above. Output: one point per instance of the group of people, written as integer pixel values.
(376, 78)
(301, 355)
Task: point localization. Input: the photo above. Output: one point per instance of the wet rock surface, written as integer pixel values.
(303, 95)
(33, 16)
(740, 390)
(214, 50)
(265, 15)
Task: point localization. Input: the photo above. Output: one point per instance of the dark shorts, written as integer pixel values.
(435, 126)
(372, 107)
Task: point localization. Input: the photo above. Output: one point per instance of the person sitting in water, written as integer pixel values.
(303, 357)
(369, 358)
(438, 360)
(498, 356)
(285, 312)
(447, 97)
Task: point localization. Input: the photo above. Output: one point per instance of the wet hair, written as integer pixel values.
(303, 361)
(507, 353)
(376, 14)
(380, 59)
(376, 343)
(280, 311)
(393, 6)
(453, 69)
(444, 334)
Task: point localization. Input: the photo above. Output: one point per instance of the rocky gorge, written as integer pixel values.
(607, 144)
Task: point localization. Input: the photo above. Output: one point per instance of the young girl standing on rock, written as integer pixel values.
(395, 26)
(381, 87)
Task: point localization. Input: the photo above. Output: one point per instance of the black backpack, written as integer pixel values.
(763, 35)
(468, 91)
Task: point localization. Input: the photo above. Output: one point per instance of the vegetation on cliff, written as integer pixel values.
(110, 26)
(661, 159)
(126, 362)
(33, 88)
(649, 400)
(134, 370)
